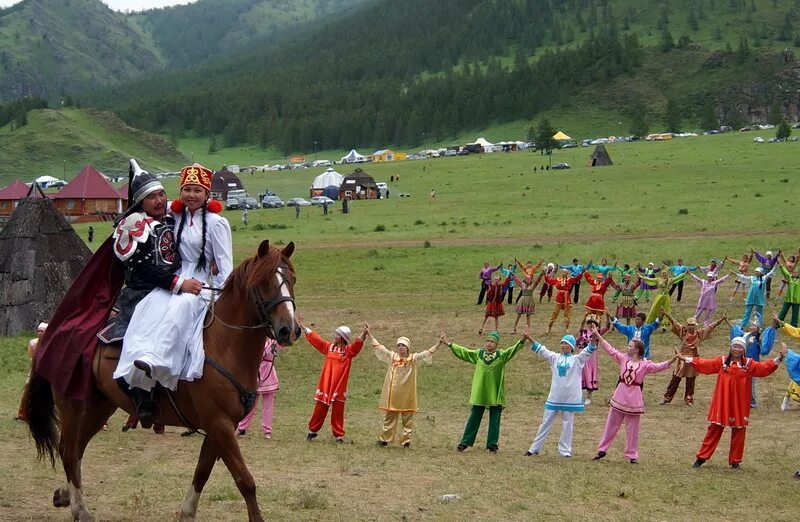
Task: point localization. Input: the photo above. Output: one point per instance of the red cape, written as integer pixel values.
(64, 355)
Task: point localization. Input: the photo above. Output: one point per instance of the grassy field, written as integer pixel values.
(737, 195)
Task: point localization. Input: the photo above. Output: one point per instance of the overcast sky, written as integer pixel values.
(123, 5)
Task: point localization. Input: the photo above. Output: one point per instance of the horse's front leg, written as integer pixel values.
(227, 446)
(205, 463)
(70, 413)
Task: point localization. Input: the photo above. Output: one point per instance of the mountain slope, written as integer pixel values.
(49, 48)
(417, 69)
(60, 142)
(52, 47)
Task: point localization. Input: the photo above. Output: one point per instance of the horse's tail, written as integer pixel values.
(39, 407)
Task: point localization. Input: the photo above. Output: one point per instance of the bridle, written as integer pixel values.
(264, 307)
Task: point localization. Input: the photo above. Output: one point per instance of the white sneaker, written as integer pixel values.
(785, 403)
(587, 401)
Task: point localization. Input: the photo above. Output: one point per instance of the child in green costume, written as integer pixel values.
(488, 385)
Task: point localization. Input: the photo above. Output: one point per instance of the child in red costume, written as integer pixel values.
(730, 403)
(332, 386)
(563, 286)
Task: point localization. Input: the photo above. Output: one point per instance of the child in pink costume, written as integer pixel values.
(627, 401)
(267, 389)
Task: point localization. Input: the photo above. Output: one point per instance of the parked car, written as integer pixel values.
(561, 166)
(758, 139)
(232, 204)
(462, 152)
(249, 203)
(298, 202)
(321, 200)
(450, 152)
(272, 202)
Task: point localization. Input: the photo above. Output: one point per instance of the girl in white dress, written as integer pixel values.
(164, 339)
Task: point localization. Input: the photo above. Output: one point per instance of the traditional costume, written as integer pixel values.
(662, 300)
(756, 295)
(645, 284)
(526, 305)
(575, 271)
(627, 401)
(604, 270)
(707, 302)
(488, 388)
(758, 344)
(793, 392)
(165, 332)
(792, 299)
(399, 393)
(267, 388)
(730, 402)
(690, 340)
(494, 297)
(677, 270)
(485, 275)
(638, 332)
(626, 308)
(768, 262)
(563, 285)
(332, 385)
(565, 393)
(596, 303)
(590, 375)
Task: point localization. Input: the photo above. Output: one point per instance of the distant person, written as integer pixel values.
(91, 233)
(325, 208)
(433, 194)
(32, 345)
(244, 217)
(534, 170)
(267, 389)
(297, 211)
(387, 193)
(391, 178)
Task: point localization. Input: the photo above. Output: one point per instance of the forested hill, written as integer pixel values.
(403, 72)
(50, 48)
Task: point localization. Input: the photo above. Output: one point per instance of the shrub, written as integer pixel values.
(426, 244)
(380, 228)
(683, 211)
(419, 222)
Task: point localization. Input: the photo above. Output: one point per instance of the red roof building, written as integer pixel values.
(10, 196)
(89, 193)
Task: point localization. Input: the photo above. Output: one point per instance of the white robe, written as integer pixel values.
(166, 329)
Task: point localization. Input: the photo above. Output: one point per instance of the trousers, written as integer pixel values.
(267, 409)
(390, 422)
(319, 414)
(474, 423)
(711, 440)
(567, 307)
(565, 441)
(795, 307)
(672, 388)
(679, 286)
(613, 423)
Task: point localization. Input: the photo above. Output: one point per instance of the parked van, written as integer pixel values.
(237, 194)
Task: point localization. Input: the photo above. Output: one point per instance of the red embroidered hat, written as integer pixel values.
(196, 175)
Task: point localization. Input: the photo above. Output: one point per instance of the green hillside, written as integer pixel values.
(468, 65)
(50, 48)
(60, 142)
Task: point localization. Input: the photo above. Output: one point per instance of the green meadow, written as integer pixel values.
(409, 266)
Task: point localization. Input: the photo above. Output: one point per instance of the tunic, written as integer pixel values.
(590, 379)
(563, 287)
(332, 385)
(757, 294)
(662, 300)
(494, 298)
(526, 305)
(757, 345)
(792, 287)
(644, 284)
(399, 391)
(596, 301)
(488, 381)
(627, 306)
(730, 402)
(565, 384)
(643, 333)
(688, 348)
(708, 292)
(628, 397)
(166, 329)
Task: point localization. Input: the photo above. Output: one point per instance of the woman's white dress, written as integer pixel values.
(166, 329)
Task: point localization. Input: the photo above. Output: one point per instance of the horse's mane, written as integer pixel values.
(254, 271)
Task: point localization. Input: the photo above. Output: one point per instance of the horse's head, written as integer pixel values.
(268, 280)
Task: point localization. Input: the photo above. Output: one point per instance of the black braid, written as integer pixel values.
(180, 231)
(201, 263)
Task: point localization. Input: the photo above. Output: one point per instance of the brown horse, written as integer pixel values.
(257, 301)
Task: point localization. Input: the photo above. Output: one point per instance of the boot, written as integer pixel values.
(145, 406)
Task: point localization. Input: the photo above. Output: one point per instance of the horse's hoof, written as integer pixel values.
(61, 497)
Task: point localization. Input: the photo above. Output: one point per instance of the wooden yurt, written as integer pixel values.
(89, 193)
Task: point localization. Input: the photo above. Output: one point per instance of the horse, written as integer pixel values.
(257, 301)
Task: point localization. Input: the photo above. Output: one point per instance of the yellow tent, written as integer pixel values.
(560, 136)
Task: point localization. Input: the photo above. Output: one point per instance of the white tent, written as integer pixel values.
(483, 143)
(326, 179)
(353, 157)
(44, 180)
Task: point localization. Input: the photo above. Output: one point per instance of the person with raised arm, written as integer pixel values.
(638, 330)
(627, 402)
(488, 385)
(707, 302)
(730, 402)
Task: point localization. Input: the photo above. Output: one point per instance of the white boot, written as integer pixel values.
(785, 403)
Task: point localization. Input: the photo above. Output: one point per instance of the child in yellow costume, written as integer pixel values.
(399, 395)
